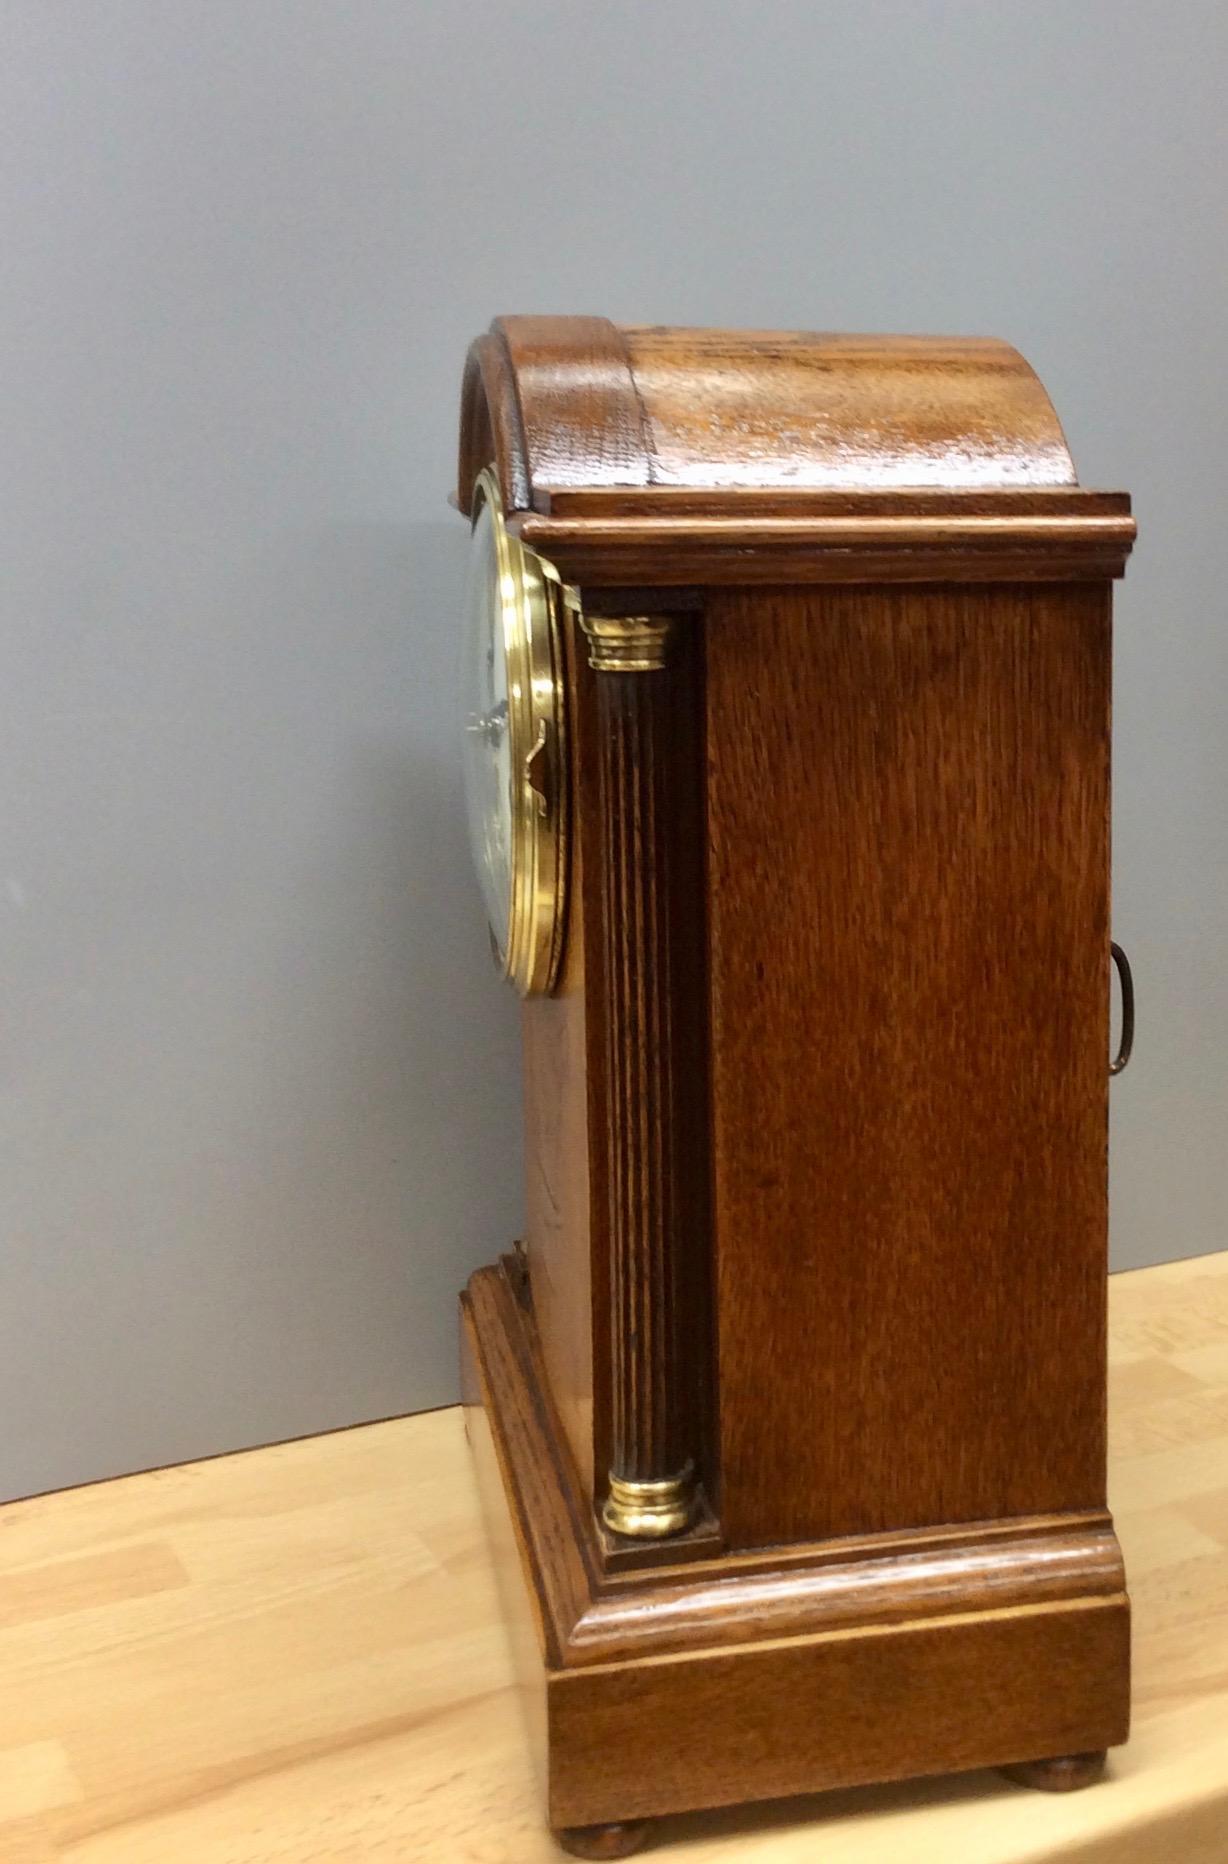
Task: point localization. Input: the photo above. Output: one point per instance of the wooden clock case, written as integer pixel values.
(816, 1115)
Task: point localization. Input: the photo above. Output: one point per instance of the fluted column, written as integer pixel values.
(652, 1483)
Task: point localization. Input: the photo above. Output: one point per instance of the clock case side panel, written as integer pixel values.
(908, 811)
(564, 1176)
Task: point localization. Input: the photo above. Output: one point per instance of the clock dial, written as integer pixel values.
(514, 764)
(488, 750)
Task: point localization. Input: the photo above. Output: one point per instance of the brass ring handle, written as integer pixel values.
(1126, 1040)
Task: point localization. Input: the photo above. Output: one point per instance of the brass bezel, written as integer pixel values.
(531, 602)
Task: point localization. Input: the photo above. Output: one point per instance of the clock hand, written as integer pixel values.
(490, 725)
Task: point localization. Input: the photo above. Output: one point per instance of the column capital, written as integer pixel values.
(627, 643)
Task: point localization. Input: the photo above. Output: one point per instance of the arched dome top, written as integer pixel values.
(572, 403)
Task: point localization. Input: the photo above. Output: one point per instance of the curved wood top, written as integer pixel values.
(577, 402)
(644, 454)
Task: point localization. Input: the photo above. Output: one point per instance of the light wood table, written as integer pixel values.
(295, 1656)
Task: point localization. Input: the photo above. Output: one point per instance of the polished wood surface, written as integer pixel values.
(299, 1656)
(843, 993)
(647, 456)
(681, 539)
(578, 422)
(579, 402)
(910, 984)
(654, 1136)
(592, 1612)
(856, 410)
(735, 1725)
(585, 1183)
(858, 1663)
(564, 1190)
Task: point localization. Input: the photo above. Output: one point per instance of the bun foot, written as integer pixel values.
(603, 1841)
(1066, 1774)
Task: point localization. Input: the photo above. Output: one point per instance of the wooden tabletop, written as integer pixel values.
(295, 1656)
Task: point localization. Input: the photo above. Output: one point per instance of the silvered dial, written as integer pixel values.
(488, 747)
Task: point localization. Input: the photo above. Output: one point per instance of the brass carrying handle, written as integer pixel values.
(1126, 1040)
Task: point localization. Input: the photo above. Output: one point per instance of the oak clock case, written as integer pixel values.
(788, 760)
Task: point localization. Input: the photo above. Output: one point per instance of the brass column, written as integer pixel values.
(652, 1479)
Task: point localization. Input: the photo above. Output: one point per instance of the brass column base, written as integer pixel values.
(650, 1510)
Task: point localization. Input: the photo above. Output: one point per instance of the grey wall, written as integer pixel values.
(259, 1109)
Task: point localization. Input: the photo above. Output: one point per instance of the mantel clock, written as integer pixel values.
(788, 758)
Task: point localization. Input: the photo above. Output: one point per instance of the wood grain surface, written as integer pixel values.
(649, 788)
(1077, 536)
(892, 1170)
(768, 1721)
(634, 962)
(772, 407)
(298, 1656)
(869, 1659)
(565, 1197)
(649, 1220)
(694, 1593)
(578, 402)
(910, 985)
(653, 456)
